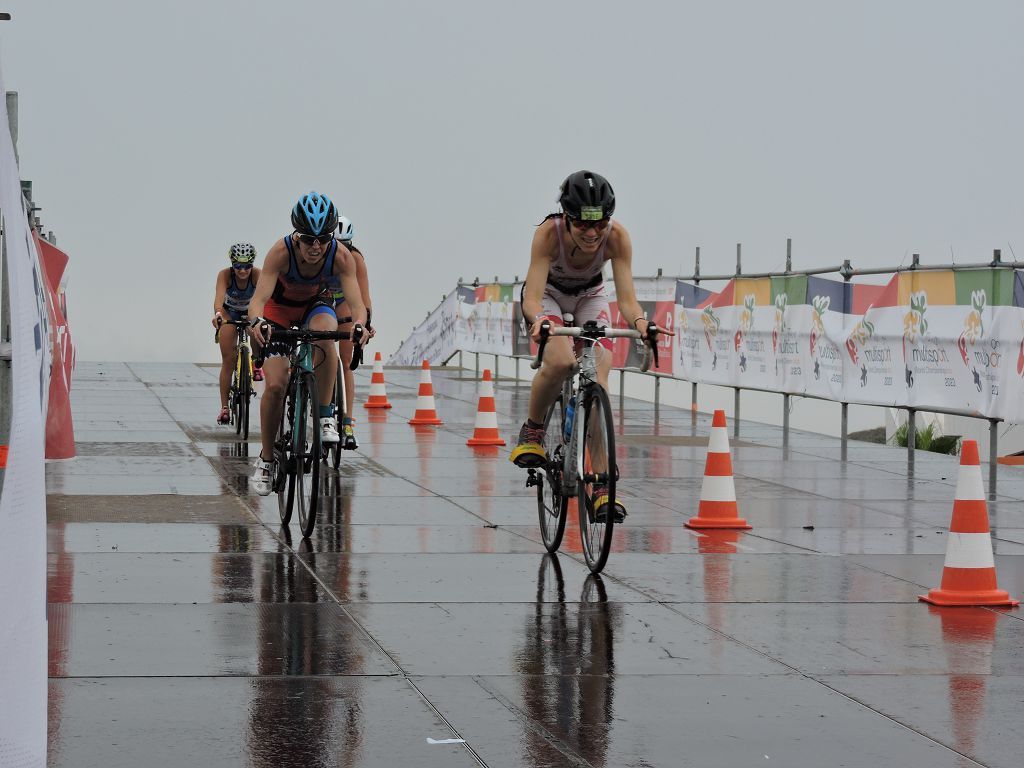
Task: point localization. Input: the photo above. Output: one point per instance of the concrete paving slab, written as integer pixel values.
(293, 722)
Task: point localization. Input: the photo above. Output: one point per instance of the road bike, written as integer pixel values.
(240, 391)
(579, 443)
(298, 451)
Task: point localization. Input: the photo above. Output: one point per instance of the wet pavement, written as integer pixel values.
(187, 628)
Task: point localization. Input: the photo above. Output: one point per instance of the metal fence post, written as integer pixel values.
(844, 431)
(993, 455)
(477, 355)
(517, 371)
(785, 421)
(495, 367)
(622, 389)
(736, 418)
(911, 437)
(657, 398)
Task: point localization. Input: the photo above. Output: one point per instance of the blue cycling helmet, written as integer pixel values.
(314, 214)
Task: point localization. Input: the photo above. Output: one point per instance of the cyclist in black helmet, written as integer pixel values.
(566, 275)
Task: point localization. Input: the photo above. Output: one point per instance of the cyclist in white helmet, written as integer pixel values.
(346, 234)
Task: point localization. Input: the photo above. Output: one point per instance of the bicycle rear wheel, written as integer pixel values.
(597, 449)
(552, 501)
(284, 474)
(307, 451)
(243, 394)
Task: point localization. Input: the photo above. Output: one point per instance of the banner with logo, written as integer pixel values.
(23, 635)
(928, 339)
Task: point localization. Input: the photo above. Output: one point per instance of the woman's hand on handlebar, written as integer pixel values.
(535, 330)
(260, 330)
(217, 320)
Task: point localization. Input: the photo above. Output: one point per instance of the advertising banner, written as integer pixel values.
(23, 635)
(928, 339)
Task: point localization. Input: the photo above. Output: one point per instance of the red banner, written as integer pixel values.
(60, 431)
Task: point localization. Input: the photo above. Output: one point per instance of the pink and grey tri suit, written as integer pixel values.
(579, 291)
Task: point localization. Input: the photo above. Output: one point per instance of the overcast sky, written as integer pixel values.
(158, 134)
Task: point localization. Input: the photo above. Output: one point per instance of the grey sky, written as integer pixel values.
(157, 135)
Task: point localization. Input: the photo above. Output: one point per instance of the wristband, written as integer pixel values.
(639, 318)
(541, 318)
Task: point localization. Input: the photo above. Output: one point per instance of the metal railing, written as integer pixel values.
(847, 272)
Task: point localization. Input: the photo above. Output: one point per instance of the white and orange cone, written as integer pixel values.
(426, 410)
(718, 508)
(378, 394)
(969, 572)
(485, 431)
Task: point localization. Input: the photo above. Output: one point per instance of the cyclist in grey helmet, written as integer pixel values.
(235, 287)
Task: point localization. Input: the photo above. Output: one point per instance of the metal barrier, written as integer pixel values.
(847, 272)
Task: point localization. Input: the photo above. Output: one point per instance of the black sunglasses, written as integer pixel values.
(600, 225)
(311, 239)
(241, 265)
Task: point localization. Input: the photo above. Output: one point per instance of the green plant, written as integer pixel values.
(927, 440)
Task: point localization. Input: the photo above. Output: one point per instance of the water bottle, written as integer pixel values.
(570, 412)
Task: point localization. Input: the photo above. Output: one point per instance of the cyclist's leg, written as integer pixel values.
(345, 353)
(227, 367)
(321, 317)
(275, 370)
(558, 363)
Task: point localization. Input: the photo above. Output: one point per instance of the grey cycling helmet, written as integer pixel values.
(242, 253)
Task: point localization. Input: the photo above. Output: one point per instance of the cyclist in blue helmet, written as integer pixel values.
(300, 275)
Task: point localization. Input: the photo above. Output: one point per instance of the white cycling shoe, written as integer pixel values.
(263, 477)
(329, 430)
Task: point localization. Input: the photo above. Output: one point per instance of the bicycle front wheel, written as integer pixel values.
(552, 501)
(307, 451)
(284, 474)
(597, 478)
(243, 394)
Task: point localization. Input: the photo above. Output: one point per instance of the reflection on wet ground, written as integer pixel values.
(423, 624)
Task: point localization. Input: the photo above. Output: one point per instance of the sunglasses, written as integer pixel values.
(599, 225)
(316, 239)
(240, 265)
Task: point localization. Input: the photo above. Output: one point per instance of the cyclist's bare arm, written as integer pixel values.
(364, 288)
(218, 296)
(537, 275)
(275, 263)
(345, 268)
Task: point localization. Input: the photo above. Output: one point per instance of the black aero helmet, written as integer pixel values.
(588, 196)
(314, 214)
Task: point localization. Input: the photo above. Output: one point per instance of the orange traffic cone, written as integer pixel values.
(969, 572)
(426, 411)
(485, 431)
(378, 394)
(718, 492)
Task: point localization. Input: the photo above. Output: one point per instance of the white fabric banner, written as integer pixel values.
(798, 335)
(23, 635)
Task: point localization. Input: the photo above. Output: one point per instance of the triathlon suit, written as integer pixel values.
(577, 290)
(296, 299)
(236, 300)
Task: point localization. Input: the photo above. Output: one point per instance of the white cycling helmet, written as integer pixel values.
(345, 230)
